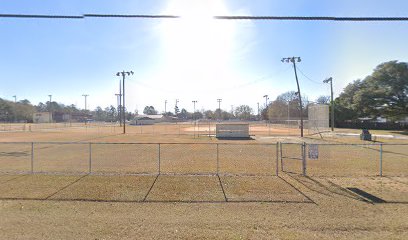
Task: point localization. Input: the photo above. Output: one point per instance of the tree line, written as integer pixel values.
(22, 111)
(384, 93)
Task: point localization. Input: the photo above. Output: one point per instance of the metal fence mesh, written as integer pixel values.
(188, 158)
(344, 160)
(124, 158)
(15, 157)
(291, 157)
(247, 159)
(61, 157)
(206, 158)
(395, 160)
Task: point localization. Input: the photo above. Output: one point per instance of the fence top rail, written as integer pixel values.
(141, 143)
(204, 143)
(351, 144)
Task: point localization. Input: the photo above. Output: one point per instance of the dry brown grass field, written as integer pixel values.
(206, 189)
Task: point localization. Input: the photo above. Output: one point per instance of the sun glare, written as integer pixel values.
(196, 45)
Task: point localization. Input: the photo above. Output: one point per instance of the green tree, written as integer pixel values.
(383, 93)
(243, 112)
(184, 114)
(149, 110)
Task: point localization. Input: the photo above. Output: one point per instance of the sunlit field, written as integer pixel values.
(184, 168)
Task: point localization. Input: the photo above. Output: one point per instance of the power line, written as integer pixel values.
(241, 17)
(312, 18)
(304, 75)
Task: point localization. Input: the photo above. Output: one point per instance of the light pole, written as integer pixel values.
(176, 107)
(219, 100)
(293, 60)
(330, 79)
(124, 74)
(118, 100)
(266, 105)
(49, 109)
(120, 104)
(165, 107)
(15, 108)
(85, 96)
(258, 110)
(266, 101)
(194, 103)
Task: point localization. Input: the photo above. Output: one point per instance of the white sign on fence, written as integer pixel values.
(313, 151)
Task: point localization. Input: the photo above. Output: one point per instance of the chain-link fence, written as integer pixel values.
(244, 159)
(15, 157)
(351, 160)
(190, 128)
(40, 127)
(292, 157)
(139, 158)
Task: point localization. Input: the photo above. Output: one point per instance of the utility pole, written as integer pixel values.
(266, 105)
(266, 101)
(176, 107)
(15, 108)
(85, 96)
(194, 103)
(219, 100)
(330, 79)
(124, 74)
(165, 106)
(49, 109)
(118, 96)
(293, 60)
(119, 102)
(258, 111)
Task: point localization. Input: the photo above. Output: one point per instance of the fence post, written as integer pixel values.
(277, 158)
(32, 157)
(218, 161)
(158, 162)
(304, 159)
(281, 157)
(381, 160)
(90, 158)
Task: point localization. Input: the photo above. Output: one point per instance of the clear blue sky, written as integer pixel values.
(192, 58)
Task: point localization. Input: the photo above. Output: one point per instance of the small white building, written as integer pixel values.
(42, 117)
(147, 119)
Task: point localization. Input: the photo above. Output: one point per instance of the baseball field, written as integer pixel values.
(172, 181)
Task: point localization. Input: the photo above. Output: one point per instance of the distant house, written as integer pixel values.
(147, 119)
(42, 117)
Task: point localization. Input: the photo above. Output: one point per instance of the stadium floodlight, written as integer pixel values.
(123, 74)
(293, 60)
(85, 96)
(219, 100)
(330, 80)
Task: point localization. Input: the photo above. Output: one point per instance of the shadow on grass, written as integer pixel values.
(405, 132)
(319, 188)
(51, 197)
